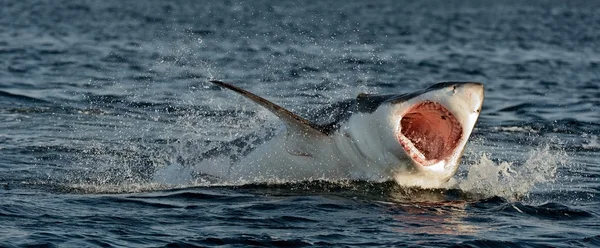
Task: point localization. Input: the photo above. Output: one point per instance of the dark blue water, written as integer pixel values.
(105, 112)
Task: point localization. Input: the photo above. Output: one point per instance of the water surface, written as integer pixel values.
(105, 109)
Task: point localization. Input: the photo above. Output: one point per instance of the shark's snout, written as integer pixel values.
(471, 93)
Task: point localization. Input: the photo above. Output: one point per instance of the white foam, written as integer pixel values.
(516, 129)
(103, 188)
(592, 143)
(511, 180)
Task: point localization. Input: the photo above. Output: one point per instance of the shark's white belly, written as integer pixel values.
(274, 161)
(334, 157)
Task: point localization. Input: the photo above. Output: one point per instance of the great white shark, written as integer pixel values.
(415, 139)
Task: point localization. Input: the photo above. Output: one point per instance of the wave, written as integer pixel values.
(20, 98)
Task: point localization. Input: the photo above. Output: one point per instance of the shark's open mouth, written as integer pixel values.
(429, 133)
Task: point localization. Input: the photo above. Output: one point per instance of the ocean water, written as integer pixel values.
(106, 117)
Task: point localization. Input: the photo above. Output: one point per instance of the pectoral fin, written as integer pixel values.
(299, 130)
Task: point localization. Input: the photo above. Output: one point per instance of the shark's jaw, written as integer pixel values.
(432, 128)
(429, 133)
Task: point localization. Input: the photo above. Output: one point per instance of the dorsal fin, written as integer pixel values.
(370, 102)
(296, 124)
(363, 95)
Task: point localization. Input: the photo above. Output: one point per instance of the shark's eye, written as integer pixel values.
(429, 132)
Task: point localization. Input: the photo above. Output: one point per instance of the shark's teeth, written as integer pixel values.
(411, 149)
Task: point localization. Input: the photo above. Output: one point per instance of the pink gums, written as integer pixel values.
(429, 133)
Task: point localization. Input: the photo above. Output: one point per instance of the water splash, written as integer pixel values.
(484, 177)
(510, 180)
(133, 166)
(592, 143)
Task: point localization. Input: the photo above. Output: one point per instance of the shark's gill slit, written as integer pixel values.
(429, 132)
